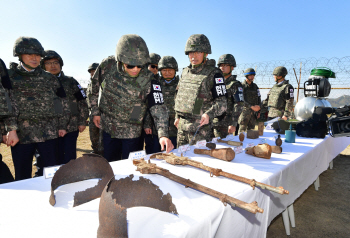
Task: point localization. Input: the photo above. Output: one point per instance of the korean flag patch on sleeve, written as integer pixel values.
(219, 87)
(156, 95)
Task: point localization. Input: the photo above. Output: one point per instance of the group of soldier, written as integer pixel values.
(130, 103)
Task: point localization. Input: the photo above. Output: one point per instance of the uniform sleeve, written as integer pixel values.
(11, 122)
(147, 122)
(82, 104)
(95, 89)
(63, 119)
(289, 94)
(158, 109)
(219, 105)
(259, 95)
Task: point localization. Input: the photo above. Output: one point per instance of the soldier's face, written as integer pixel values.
(92, 72)
(196, 57)
(53, 66)
(226, 68)
(153, 69)
(168, 73)
(33, 60)
(278, 78)
(251, 78)
(133, 71)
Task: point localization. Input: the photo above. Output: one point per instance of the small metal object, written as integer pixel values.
(210, 145)
(252, 134)
(241, 137)
(278, 141)
(194, 135)
(233, 143)
(226, 154)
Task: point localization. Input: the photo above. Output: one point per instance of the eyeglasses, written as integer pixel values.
(55, 63)
(154, 66)
(133, 66)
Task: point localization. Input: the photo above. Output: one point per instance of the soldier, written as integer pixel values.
(251, 111)
(5, 111)
(41, 110)
(67, 145)
(153, 66)
(227, 122)
(95, 133)
(128, 89)
(281, 96)
(168, 81)
(201, 93)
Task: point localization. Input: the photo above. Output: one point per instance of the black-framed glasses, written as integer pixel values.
(154, 66)
(133, 66)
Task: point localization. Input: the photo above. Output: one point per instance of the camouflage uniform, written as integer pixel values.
(235, 100)
(281, 96)
(247, 119)
(40, 110)
(125, 99)
(95, 132)
(280, 100)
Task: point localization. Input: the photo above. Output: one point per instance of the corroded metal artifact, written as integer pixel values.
(86, 167)
(233, 143)
(276, 149)
(241, 137)
(118, 195)
(150, 168)
(210, 145)
(278, 140)
(260, 150)
(252, 134)
(176, 160)
(226, 154)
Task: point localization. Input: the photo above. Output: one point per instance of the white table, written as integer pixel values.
(25, 210)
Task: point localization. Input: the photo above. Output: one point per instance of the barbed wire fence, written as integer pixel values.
(264, 79)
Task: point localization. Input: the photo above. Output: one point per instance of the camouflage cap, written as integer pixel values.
(132, 50)
(154, 58)
(249, 71)
(50, 54)
(198, 43)
(167, 62)
(27, 45)
(93, 66)
(280, 71)
(227, 59)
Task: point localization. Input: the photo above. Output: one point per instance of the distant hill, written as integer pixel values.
(340, 101)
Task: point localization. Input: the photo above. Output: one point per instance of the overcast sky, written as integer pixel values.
(83, 32)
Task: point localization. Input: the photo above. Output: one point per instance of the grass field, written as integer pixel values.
(83, 146)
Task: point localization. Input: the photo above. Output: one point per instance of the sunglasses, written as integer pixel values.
(154, 66)
(133, 66)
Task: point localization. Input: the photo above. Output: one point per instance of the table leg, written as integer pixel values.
(285, 218)
(291, 215)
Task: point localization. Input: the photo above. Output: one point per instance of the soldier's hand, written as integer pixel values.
(176, 123)
(148, 131)
(97, 120)
(163, 141)
(204, 120)
(258, 115)
(231, 129)
(12, 138)
(62, 133)
(81, 128)
(4, 139)
(255, 108)
(285, 118)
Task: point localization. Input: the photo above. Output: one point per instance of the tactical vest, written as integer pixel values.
(34, 95)
(188, 99)
(250, 93)
(69, 90)
(276, 97)
(121, 99)
(5, 103)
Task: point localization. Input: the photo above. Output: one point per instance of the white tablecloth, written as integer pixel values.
(25, 210)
